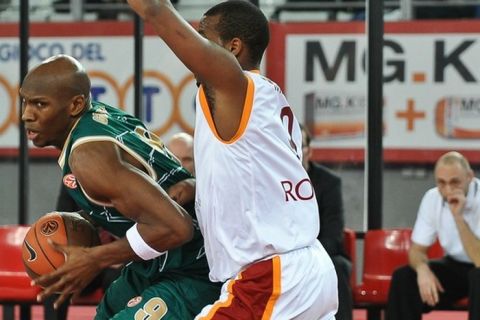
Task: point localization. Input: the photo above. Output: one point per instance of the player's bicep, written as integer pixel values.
(96, 166)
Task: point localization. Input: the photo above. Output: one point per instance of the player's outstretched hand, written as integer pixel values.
(141, 7)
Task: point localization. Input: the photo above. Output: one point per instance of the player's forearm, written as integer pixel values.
(126, 249)
(162, 236)
(113, 253)
(470, 242)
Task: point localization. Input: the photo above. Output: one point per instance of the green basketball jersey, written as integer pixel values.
(105, 123)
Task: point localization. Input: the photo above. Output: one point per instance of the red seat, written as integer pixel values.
(15, 286)
(14, 281)
(384, 251)
(349, 242)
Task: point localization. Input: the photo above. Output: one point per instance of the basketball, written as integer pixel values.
(64, 228)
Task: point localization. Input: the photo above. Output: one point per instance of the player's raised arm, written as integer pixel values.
(211, 64)
(213, 60)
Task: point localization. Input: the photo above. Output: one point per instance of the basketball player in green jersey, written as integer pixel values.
(119, 173)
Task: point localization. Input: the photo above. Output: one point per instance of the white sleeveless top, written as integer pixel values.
(253, 197)
(434, 219)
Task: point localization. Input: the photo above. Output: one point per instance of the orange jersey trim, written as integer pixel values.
(277, 287)
(221, 304)
(267, 278)
(247, 110)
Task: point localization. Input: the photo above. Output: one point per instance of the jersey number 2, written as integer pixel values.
(287, 114)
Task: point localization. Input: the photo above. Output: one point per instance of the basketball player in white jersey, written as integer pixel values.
(255, 203)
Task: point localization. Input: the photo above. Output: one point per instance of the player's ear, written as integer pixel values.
(77, 105)
(470, 175)
(235, 46)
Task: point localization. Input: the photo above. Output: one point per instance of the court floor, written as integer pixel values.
(87, 313)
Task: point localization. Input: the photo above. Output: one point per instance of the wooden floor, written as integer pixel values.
(87, 313)
(435, 315)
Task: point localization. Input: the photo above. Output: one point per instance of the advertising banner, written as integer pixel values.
(107, 52)
(431, 87)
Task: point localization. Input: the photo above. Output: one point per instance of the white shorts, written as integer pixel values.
(300, 285)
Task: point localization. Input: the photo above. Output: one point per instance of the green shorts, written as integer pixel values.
(171, 296)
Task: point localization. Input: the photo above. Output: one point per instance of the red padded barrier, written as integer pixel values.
(14, 281)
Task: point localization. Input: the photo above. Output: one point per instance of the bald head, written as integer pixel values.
(60, 76)
(181, 145)
(54, 95)
(452, 158)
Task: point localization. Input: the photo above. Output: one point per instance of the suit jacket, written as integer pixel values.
(328, 190)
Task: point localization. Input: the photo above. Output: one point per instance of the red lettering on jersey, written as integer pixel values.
(69, 181)
(287, 187)
(303, 190)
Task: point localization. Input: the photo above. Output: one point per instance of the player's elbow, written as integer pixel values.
(183, 232)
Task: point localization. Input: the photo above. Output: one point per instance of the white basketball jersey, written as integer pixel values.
(253, 197)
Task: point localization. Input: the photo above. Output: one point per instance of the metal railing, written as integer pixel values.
(80, 10)
(406, 7)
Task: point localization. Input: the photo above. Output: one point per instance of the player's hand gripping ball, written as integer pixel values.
(64, 228)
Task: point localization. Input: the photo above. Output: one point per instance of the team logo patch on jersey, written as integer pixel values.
(69, 181)
(100, 117)
(134, 301)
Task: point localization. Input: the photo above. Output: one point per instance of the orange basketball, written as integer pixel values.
(39, 257)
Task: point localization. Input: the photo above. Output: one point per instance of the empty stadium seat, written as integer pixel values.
(384, 251)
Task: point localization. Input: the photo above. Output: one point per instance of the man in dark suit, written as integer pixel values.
(328, 191)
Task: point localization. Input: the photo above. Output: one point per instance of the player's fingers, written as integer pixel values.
(57, 246)
(45, 294)
(48, 279)
(53, 283)
(75, 296)
(42, 281)
(63, 297)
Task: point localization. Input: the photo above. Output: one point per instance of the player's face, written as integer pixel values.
(46, 117)
(451, 177)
